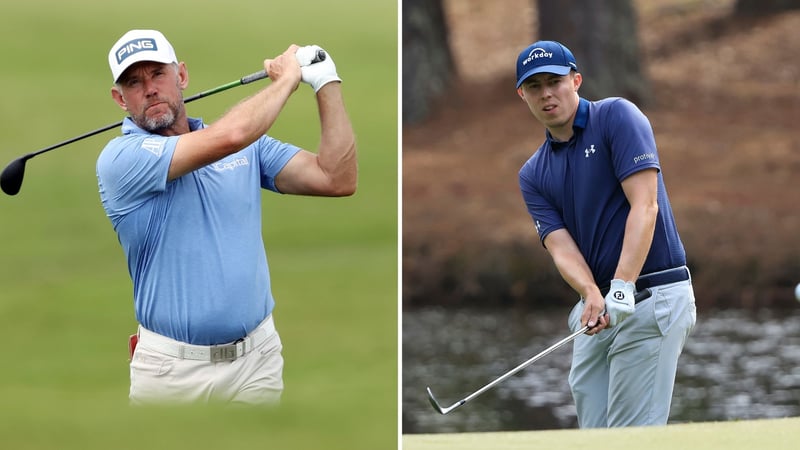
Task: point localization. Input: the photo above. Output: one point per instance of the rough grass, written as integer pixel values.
(65, 296)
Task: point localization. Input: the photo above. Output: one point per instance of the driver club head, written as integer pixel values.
(11, 178)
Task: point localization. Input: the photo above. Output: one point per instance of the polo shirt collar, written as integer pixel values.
(581, 119)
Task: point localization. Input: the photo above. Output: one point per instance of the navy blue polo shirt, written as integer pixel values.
(576, 185)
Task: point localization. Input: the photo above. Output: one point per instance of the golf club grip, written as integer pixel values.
(644, 294)
(263, 73)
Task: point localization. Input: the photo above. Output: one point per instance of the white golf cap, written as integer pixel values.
(139, 45)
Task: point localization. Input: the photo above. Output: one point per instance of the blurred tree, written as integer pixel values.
(603, 36)
(601, 33)
(761, 7)
(427, 58)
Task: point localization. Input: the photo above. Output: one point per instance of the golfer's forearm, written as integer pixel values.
(639, 230)
(238, 128)
(577, 274)
(570, 263)
(254, 116)
(337, 148)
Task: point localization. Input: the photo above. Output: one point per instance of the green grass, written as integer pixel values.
(777, 434)
(65, 296)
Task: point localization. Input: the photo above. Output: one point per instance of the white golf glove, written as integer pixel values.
(317, 74)
(620, 301)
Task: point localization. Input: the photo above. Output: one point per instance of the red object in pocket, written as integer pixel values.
(132, 341)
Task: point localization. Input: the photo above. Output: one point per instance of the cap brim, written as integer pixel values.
(558, 70)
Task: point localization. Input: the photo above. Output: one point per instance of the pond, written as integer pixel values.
(736, 365)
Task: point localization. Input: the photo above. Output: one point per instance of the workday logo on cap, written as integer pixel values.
(139, 45)
(537, 53)
(544, 57)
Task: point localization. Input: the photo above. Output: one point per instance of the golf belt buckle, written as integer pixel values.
(227, 352)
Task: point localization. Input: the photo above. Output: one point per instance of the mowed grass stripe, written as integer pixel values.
(775, 434)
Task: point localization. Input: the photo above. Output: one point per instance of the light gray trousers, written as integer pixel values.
(624, 376)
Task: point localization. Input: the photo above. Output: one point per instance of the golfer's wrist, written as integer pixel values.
(589, 290)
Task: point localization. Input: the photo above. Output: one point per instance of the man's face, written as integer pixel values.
(151, 93)
(553, 99)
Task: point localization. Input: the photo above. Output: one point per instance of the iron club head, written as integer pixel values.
(438, 407)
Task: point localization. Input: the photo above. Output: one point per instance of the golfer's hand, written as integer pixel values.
(317, 74)
(284, 67)
(594, 315)
(620, 301)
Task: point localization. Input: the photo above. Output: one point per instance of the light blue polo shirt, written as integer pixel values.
(576, 185)
(193, 245)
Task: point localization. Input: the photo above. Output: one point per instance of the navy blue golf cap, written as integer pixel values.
(544, 57)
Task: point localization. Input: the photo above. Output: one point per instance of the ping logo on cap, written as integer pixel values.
(135, 46)
(537, 53)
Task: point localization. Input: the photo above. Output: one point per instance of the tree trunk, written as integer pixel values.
(427, 59)
(602, 35)
(762, 7)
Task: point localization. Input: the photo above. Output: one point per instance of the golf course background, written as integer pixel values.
(65, 296)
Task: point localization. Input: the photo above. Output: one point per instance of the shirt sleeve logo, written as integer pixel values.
(644, 157)
(154, 146)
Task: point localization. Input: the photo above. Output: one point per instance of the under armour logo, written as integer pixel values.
(591, 149)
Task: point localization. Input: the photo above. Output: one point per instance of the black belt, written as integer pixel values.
(657, 279)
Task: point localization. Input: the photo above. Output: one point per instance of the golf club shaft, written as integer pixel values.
(639, 296)
(247, 79)
(11, 177)
(525, 364)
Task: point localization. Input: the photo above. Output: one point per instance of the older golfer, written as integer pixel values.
(597, 198)
(185, 200)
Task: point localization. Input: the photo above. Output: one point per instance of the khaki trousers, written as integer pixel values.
(253, 378)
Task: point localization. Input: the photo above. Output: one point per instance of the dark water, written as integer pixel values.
(736, 365)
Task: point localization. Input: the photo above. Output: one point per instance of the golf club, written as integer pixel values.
(11, 177)
(641, 295)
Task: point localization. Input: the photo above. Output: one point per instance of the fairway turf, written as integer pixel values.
(66, 304)
(776, 434)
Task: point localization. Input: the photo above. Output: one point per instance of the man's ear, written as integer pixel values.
(577, 80)
(520, 93)
(183, 75)
(118, 98)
